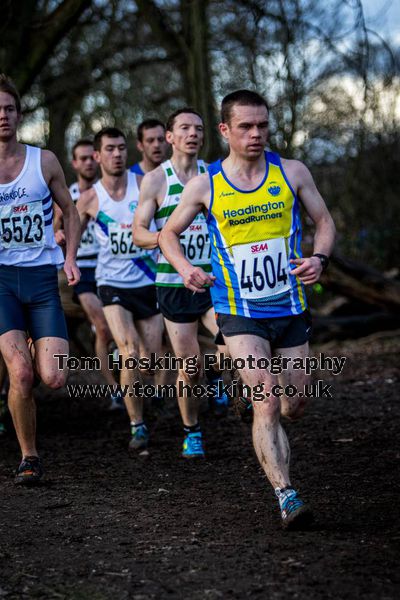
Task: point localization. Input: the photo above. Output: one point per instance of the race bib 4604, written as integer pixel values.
(22, 226)
(262, 268)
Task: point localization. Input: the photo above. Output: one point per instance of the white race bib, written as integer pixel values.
(89, 243)
(262, 268)
(22, 226)
(121, 243)
(195, 242)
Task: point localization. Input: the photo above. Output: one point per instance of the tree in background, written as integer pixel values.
(331, 84)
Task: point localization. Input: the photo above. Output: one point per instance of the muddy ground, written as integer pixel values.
(106, 526)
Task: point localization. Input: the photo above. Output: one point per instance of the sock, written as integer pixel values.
(139, 424)
(284, 493)
(191, 429)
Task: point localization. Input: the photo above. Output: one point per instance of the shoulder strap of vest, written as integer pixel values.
(214, 167)
(273, 158)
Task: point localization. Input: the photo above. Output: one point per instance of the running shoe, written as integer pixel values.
(219, 403)
(295, 514)
(193, 446)
(117, 402)
(140, 437)
(244, 409)
(29, 472)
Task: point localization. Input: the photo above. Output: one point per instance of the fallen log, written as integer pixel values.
(361, 282)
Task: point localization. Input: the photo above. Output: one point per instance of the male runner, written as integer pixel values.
(30, 179)
(253, 201)
(85, 292)
(159, 196)
(152, 144)
(125, 274)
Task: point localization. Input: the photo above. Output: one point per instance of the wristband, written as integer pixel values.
(324, 260)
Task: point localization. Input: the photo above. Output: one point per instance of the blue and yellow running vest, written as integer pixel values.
(253, 235)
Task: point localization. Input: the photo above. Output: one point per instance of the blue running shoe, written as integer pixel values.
(193, 446)
(117, 402)
(295, 514)
(140, 437)
(219, 404)
(29, 472)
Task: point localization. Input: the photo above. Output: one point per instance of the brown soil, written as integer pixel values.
(107, 526)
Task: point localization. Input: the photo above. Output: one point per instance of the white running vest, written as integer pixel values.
(120, 263)
(194, 240)
(26, 218)
(89, 246)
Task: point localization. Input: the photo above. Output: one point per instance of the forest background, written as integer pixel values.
(331, 80)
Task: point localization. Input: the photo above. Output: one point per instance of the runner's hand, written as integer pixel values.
(59, 236)
(72, 272)
(197, 280)
(308, 270)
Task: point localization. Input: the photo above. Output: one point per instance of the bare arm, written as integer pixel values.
(150, 187)
(308, 270)
(194, 199)
(54, 176)
(87, 207)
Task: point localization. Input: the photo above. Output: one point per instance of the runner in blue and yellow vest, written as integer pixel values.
(252, 200)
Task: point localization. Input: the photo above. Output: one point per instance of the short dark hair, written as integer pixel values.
(8, 86)
(147, 124)
(79, 143)
(185, 109)
(112, 132)
(240, 98)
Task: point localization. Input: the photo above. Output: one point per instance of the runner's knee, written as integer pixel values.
(103, 333)
(21, 377)
(54, 380)
(129, 349)
(294, 408)
(269, 408)
(191, 372)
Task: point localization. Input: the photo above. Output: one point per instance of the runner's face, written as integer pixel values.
(9, 117)
(112, 156)
(84, 163)
(153, 145)
(247, 131)
(187, 134)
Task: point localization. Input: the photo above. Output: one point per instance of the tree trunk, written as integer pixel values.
(191, 45)
(29, 37)
(197, 72)
(360, 282)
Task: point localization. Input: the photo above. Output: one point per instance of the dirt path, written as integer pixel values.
(106, 526)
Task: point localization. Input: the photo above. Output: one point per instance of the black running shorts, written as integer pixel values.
(87, 283)
(281, 332)
(180, 305)
(141, 301)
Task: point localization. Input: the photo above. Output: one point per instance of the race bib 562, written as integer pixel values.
(121, 243)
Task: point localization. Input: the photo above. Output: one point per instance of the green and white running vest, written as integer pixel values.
(194, 240)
